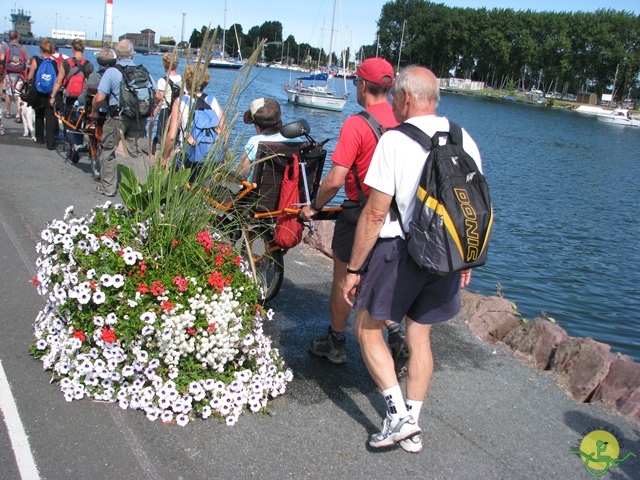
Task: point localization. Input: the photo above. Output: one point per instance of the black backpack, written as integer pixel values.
(175, 90)
(453, 216)
(136, 92)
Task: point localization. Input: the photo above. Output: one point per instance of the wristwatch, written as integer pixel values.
(352, 271)
(313, 207)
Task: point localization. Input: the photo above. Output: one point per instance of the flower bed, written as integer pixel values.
(173, 330)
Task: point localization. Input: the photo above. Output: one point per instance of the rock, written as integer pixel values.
(622, 381)
(538, 338)
(321, 235)
(582, 364)
(630, 405)
(492, 319)
(470, 303)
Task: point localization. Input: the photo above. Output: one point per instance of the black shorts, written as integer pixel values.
(393, 286)
(343, 236)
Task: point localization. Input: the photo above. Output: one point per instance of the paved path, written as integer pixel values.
(487, 416)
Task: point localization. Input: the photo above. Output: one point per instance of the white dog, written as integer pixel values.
(28, 121)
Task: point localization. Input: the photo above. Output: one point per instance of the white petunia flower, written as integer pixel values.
(99, 297)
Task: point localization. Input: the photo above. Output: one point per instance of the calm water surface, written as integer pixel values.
(564, 187)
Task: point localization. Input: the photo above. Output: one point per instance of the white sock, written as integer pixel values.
(396, 408)
(414, 407)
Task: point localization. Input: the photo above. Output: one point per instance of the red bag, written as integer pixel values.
(288, 230)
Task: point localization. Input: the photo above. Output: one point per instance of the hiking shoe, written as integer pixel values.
(412, 444)
(329, 347)
(390, 435)
(399, 350)
(102, 191)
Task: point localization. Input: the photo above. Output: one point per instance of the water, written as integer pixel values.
(564, 189)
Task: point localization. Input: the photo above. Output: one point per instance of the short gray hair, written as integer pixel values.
(423, 92)
(124, 49)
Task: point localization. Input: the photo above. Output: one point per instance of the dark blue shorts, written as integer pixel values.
(393, 286)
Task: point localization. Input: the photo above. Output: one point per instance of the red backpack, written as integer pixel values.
(75, 79)
(288, 230)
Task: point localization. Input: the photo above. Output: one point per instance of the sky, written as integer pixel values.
(355, 21)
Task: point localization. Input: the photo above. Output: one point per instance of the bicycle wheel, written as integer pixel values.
(268, 260)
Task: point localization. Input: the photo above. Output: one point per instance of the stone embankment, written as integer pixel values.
(587, 370)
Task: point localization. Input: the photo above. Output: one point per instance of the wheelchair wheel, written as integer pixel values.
(269, 263)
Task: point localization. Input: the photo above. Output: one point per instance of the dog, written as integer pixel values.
(28, 121)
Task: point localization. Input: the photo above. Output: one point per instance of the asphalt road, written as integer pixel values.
(487, 415)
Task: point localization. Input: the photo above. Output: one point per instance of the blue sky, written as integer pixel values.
(302, 18)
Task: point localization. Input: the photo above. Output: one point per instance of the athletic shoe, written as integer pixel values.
(390, 435)
(412, 444)
(399, 350)
(329, 347)
(1, 129)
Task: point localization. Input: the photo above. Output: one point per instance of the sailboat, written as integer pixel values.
(318, 96)
(220, 59)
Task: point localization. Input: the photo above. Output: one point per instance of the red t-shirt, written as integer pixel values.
(356, 145)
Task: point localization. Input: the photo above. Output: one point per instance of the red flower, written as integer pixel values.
(35, 281)
(92, 285)
(79, 334)
(166, 306)
(237, 260)
(219, 260)
(121, 253)
(216, 281)
(204, 239)
(181, 283)
(110, 234)
(157, 288)
(143, 288)
(212, 327)
(224, 249)
(143, 267)
(191, 331)
(175, 242)
(108, 335)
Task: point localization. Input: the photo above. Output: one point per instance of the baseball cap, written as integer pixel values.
(376, 70)
(263, 111)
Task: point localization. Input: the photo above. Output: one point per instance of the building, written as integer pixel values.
(145, 38)
(21, 22)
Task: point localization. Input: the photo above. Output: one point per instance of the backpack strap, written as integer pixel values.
(378, 130)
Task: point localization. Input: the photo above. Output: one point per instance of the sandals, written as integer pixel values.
(7, 115)
(18, 119)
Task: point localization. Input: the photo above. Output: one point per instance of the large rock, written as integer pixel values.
(320, 236)
(582, 364)
(620, 384)
(538, 339)
(492, 319)
(470, 303)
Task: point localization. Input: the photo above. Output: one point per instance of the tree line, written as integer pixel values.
(276, 48)
(563, 51)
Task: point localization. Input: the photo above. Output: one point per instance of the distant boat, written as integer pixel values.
(220, 59)
(534, 96)
(318, 96)
(620, 116)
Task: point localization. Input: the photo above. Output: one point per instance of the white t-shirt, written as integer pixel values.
(397, 165)
(162, 86)
(251, 148)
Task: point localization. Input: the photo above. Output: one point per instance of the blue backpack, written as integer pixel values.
(204, 129)
(45, 77)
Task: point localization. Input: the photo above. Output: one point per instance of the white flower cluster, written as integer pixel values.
(141, 373)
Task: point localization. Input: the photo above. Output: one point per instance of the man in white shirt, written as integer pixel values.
(390, 285)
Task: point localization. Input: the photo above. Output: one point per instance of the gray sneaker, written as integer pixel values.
(329, 347)
(390, 435)
(412, 444)
(399, 351)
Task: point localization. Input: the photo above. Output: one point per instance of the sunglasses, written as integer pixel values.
(356, 81)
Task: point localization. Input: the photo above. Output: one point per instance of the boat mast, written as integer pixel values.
(224, 28)
(333, 18)
(401, 40)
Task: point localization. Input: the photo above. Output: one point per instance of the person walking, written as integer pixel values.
(167, 92)
(390, 285)
(350, 162)
(16, 62)
(131, 129)
(46, 121)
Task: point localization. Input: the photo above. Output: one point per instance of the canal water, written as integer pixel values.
(565, 189)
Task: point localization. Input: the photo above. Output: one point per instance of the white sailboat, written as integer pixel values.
(318, 96)
(220, 59)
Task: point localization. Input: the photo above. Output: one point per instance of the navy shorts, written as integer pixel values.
(393, 286)
(343, 235)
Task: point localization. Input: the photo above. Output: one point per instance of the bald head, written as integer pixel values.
(415, 93)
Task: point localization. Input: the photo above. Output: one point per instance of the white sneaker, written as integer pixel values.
(390, 435)
(413, 444)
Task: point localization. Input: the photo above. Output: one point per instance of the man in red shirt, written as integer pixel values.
(351, 159)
